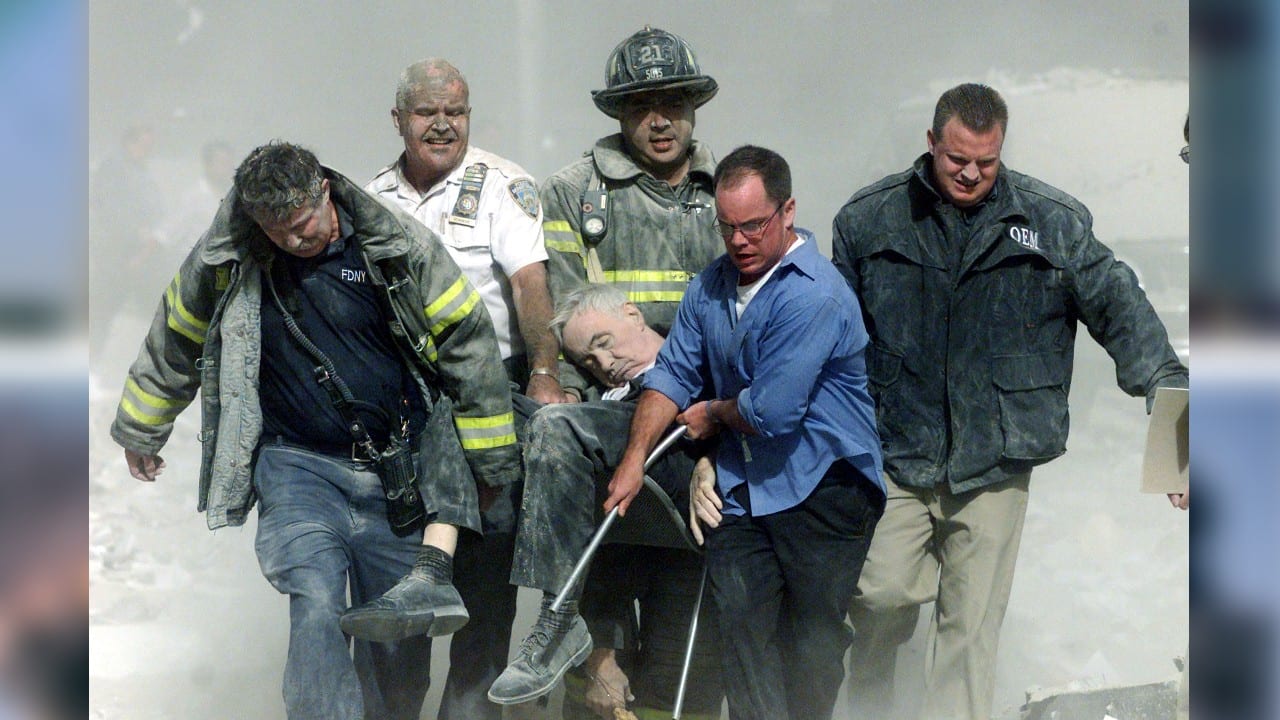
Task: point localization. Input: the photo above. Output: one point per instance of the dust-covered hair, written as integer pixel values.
(276, 179)
(423, 72)
(602, 298)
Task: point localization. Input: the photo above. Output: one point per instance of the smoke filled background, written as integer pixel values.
(180, 621)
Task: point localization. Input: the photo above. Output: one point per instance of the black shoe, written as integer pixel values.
(414, 606)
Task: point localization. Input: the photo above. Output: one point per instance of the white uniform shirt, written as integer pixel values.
(505, 238)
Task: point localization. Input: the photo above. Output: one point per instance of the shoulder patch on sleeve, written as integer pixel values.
(525, 194)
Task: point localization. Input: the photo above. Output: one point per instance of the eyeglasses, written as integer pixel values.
(751, 230)
(1185, 154)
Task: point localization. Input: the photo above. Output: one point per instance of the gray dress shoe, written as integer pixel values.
(545, 656)
(414, 606)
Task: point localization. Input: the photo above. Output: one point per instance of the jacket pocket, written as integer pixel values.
(209, 413)
(883, 369)
(882, 366)
(1032, 394)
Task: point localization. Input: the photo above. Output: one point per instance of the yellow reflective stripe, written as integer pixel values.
(154, 401)
(489, 443)
(143, 417)
(453, 305)
(650, 285)
(564, 246)
(147, 408)
(647, 276)
(179, 318)
(656, 296)
(559, 236)
(483, 433)
(173, 325)
(182, 310)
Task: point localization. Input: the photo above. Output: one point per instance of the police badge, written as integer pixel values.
(464, 210)
(526, 196)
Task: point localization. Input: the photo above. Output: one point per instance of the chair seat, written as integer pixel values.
(652, 520)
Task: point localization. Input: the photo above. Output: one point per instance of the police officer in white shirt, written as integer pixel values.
(486, 211)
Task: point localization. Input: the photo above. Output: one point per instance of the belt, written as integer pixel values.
(346, 451)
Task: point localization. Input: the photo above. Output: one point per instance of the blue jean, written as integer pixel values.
(322, 526)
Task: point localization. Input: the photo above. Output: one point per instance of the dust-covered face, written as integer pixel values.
(307, 231)
(658, 129)
(612, 347)
(435, 126)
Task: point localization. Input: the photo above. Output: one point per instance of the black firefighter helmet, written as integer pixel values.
(652, 59)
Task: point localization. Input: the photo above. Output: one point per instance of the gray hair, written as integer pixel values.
(420, 73)
(276, 179)
(605, 299)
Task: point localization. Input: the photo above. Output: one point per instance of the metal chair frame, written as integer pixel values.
(651, 508)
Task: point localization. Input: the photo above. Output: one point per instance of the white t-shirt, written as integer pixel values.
(747, 293)
(507, 234)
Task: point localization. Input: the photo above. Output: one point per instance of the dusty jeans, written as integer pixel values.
(322, 525)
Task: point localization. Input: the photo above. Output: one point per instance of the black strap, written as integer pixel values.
(327, 376)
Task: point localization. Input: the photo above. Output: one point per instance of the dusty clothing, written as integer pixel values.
(975, 538)
(973, 316)
(206, 336)
(567, 449)
(970, 359)
(489, 218)
(570, 453)
(658, 236)
(490, 235)
(321, 533)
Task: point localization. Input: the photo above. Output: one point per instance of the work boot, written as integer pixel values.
(555, 644)
(417, 605)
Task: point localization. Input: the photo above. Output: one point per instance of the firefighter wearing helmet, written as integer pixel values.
(635, 212)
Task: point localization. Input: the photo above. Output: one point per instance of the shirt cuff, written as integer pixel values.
(747, 409)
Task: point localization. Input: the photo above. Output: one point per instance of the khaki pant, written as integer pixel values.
(958, 551)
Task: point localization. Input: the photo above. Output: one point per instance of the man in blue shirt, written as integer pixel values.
(772, 332)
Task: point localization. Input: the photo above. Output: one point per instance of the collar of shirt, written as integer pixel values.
(803, 256)
(346, 229)
(615, 163)
(622, 391)
(407, 191)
